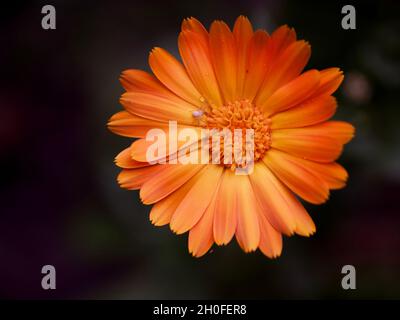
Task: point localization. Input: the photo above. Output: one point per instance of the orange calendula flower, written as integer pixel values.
(234, 79)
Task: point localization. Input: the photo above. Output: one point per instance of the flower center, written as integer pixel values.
(240, 115)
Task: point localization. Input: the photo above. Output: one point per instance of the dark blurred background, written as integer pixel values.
(59, 200)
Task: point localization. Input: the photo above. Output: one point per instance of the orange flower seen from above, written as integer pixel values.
(235, 79)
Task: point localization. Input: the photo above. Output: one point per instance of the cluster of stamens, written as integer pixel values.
(240, 115)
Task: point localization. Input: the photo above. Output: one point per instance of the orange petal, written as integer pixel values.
(194, 25)
(257, 63)
(268, 191)
(243, 32)
(270, 239)
(141, 81)
(223, 53)
(304, 224)
(333, 174)
(340, 130)
(293, 93)
(126, 124)
(140, 147)
(186, 214)
(281, 38)
(316, 143)
(225, 217)
(162, 211)
(124, 160)
(297, 177)
(201, 236)
(195, 54)
(248, 229)
(158, 108)
(173, 75)
(139, 150)
(166, 181)
(287, 66)
(310, 112)
(133, 179)
(278, 42)
(330, 80)
(281, 208)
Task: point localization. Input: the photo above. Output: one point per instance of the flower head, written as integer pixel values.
(230, 80)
